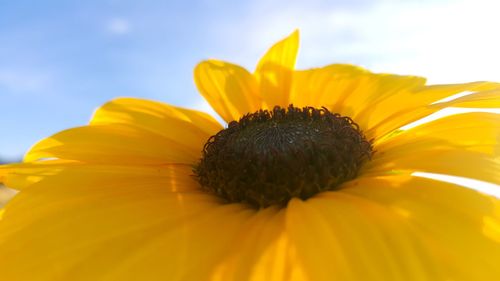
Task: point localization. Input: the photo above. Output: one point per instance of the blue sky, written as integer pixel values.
(59, 60)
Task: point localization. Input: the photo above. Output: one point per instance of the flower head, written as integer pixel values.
(313, 178)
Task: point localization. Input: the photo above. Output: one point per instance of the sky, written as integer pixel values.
(59, 60)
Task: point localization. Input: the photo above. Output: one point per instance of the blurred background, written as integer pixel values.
(59, 60)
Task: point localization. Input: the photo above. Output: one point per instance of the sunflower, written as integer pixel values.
(315, 177)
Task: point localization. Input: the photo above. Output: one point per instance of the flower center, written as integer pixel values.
(269, 157)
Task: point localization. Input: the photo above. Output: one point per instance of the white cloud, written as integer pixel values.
(118, 26)
(446, 41)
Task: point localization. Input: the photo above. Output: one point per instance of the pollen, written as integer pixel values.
(270, 156)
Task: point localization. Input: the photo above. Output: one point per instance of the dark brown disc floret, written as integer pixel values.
(270, 156)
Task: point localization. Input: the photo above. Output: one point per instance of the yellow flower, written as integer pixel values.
(150, 191)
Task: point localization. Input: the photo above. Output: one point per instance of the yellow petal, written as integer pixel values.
(274, 71)
(121, 229)
(3, 173)
(190, 251)
(408, 107)
(340, 237)
(263, 251)
(477, 131)
(115, 143)
(450, 227)
(464, 145)
(64, 173)
(355, 92)
(317, 245)
(147, 230)
(454, 162)
(6, 195)
(230, 89)
(480, 99)
(328, 86)
(20, 175)
(377, 96)
(152, 221)
(379, 103)
(162, 119)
